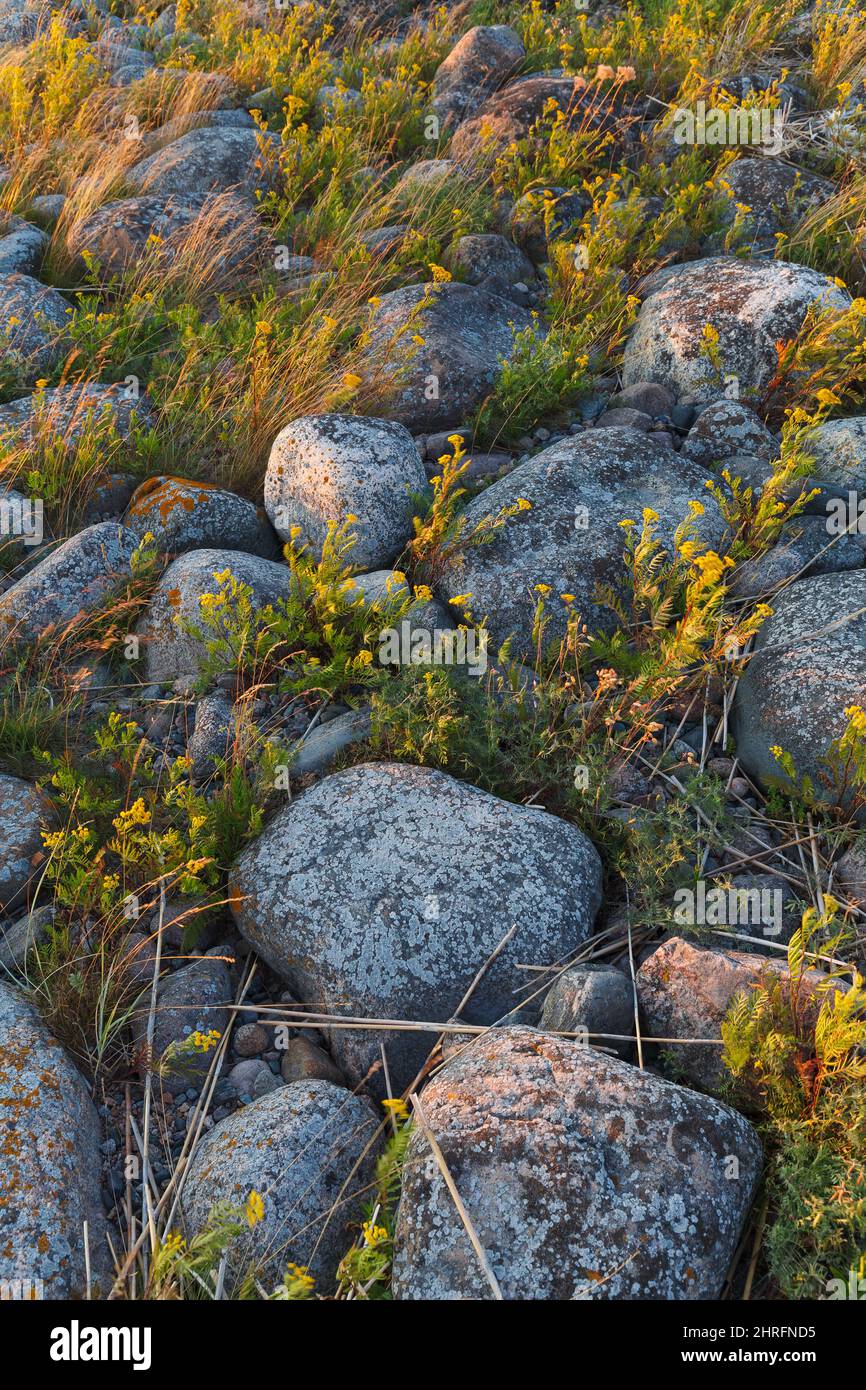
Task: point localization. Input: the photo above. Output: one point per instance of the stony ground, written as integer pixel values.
(432, 650)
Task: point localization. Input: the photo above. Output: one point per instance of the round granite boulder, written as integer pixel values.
(570, 538)
(308, 1150)
(182, 514)
(809, 666)
(383, 890)
(328, 467)
(752, 305)
(584, 1178)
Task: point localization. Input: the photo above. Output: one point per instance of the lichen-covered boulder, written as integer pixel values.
(182, 514)
(328, 467)
(50, 1173)
(509, 114)
(809, 666)
(308, 1150)
(22, 246)
(119, 233)
(191, 1001)
(171, 651)
(685, 991)
(383, 890)
(839, 450)
(80, 576)
(207, 160)
(752, 305)
(570, 538)
(493, 262)
(777, 195)
(478, 63)
(23, 810)
(584, 1178)
(725, 429)
(803, 548)
(466, 334)
(67, 411)
(30, 314)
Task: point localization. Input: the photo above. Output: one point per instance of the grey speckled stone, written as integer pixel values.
(213, 733)
(802, 546)
(478, 63)
(510, 113)
(596, 997)
(584, 1177)
(192, 998)
(777, 194)
(326, 467)
(29, 311)
(684, 991)
(171, 652)
(725, 429)
(80, 576)
(50, 1173)
(203, 161)
(22, 809)
(66, 410)
(751, 304)
(571, 539)
(117, 233)
(810, 664)
(839, 450)
(384, 889)
(466, 332)
(22, 247)
(17, 939)
(319, 749)
(185, 515)
(297, 1148)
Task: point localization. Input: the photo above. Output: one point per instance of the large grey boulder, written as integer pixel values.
(308, 1150)
(466, 334)
(509, 114)
(118, 234)
(50, 1174)
(584, 1178)
(23, 810)
(570, 538)
(478, 63)
(839, 450)
(328, 467)
(803, 547)
(777, 195)
(30, 315)
(809, 666)
(193, 999)
(206, 160)
(685, 991)
(182, 514)
(80, 576)
(22, 246)
(170, 650)
(67, 411)
(383, 890)
(752, 305)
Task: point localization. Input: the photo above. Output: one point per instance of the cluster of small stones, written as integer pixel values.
(381, 890)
